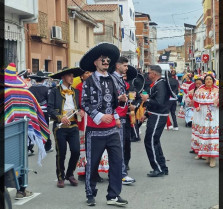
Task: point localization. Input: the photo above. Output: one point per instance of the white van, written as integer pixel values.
(164, 67)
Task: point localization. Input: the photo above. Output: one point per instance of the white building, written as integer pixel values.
(129, 43)
(199, 44)
(153, 43)
(17, 13)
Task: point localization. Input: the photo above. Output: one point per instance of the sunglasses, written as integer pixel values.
(105, 59)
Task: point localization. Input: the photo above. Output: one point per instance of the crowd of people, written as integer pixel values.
(101, 116)
(200, 108)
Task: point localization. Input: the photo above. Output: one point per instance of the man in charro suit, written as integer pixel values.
(62, 101)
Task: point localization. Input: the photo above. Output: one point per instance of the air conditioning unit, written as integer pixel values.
(56, 33)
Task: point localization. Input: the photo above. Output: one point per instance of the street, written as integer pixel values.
(191, 184)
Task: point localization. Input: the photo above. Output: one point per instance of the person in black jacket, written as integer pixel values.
(156, 103)
(40, 91)
(173, 102)
(62, 101)
(100, 99)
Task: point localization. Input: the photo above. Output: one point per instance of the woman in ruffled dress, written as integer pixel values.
(198, 80)
(206, 128)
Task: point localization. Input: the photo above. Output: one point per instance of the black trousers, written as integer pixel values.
(155, 126)
(48, 143)
(96, 142)
(173, 106)
(127, 141)
(62, 136)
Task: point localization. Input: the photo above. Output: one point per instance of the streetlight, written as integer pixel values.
(192, 27)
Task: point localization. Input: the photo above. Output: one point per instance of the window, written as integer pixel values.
(75, 31)
(100, 30)
(59, 65)
(115, 30)
(121, 9)
(133, 36)
(87, 36)
(120, 33)
(130, 12)
(10, 50)
(123, 34)
(35, 65)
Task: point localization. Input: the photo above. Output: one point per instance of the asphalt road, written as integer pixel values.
(191, 184)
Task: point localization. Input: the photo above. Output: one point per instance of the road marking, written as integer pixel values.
(21, 202)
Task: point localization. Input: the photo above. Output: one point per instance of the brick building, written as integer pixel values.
(47, 41)
(142, 35)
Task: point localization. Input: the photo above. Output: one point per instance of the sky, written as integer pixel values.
(170, 15)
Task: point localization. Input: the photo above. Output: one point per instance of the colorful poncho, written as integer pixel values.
(19, 103)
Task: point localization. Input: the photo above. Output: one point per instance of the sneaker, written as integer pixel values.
(23, 195)
(117, 201)
(50, 150)
(165, 127)
(128, 180)
(91, 201)
(170, 127)
(30, 153)
(175, 129)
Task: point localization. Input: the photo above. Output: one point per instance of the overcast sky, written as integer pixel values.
(170, 15)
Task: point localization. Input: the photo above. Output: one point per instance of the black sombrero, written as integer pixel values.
(131, 73)
(75, 70)
(105, 49)
(38, 76)
(139, 83)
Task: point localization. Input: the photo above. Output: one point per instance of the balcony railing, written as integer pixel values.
(40, 29)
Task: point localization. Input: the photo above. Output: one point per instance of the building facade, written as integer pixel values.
(153, 43)
(81, 34)
(211, 41)
(129, 43)
(17, 14)
(189, 40)
(143, 39)
(199, 44)
(47, 41)
(107, 17)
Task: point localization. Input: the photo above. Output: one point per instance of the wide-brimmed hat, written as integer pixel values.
(10, 77)
(38, 76)
(75, 70)
(139, 83)
(131, 73)
(105, 49)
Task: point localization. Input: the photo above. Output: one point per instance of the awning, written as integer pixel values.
(13, 36)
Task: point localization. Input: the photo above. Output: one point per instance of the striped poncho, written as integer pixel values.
(20, 102)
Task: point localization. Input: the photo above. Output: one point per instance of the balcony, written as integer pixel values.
(208, 43)
(40, 29)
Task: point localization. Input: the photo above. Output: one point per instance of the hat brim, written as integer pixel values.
(105, 49)
(131, 73)
(75, 71)
(17, 83)
(35, 77)
(139, 83)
